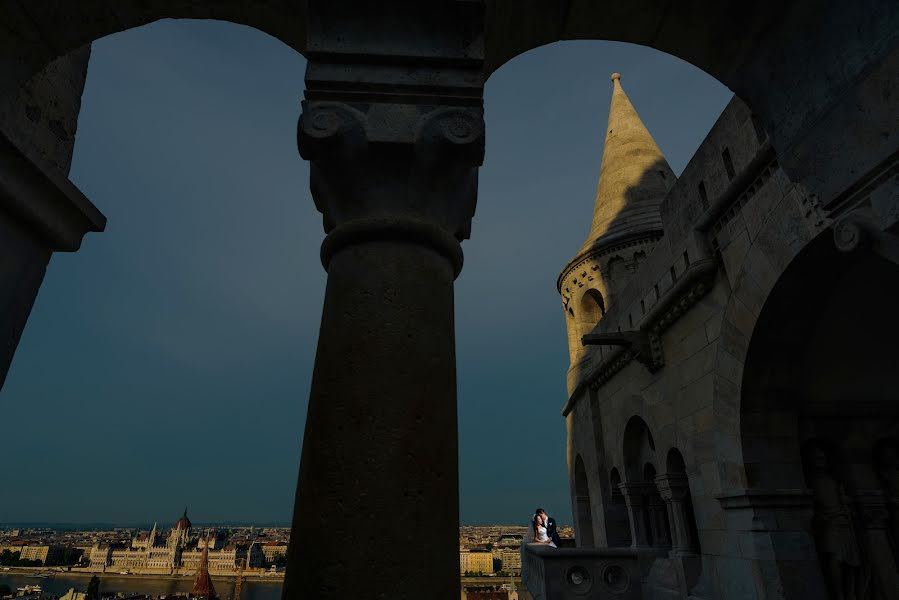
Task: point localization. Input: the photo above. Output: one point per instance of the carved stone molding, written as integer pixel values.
(673, 486)
(859, 229)
(393, 171)
(50, 205)
(645, 344)
(597, 252)
(766, 499)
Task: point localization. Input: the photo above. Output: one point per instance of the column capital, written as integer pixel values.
(673, 486)
(393, 171)
(635, 492)
(872, 507)
(395, 139)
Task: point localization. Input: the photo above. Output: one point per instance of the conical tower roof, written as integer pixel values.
(203, 587)
(633, 180)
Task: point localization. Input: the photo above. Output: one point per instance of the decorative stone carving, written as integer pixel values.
(636, 497)
(674, 489)
(645, 344)
(859, 229)
(47, 203)
(888, 469)
(659, 523)
(834, 531)
(394, 144)
(879, 564)
(393, 171)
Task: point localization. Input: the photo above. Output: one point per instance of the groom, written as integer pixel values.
(551, 530)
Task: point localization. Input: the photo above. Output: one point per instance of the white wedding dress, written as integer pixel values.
(542, 537)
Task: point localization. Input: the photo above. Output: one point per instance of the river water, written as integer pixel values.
(60, 584)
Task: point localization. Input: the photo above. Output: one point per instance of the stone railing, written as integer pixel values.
(580, 573)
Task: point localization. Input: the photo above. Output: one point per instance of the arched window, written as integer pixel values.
(685, 535)
(618, 526)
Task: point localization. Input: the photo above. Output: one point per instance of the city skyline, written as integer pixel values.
(209, 339)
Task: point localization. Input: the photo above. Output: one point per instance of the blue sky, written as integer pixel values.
(168, 362)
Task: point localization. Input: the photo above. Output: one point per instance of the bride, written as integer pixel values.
(539, 531)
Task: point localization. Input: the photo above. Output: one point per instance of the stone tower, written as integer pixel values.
(633, 180)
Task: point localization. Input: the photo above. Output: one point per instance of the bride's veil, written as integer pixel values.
(529, 536)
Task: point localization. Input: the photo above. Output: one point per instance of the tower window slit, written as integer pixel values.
(760, 134)
(728, 164)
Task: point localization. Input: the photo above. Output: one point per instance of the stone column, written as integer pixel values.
(394, 149)
(636, 496)
(675, 489)
(41, 212)
(659, 521)
(876, 549)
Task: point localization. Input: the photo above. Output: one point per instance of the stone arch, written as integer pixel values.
(618, 527)
(657, 521)
(53, 29)
(639, 258)
(646, 509)
(816, 394)
(638, 449)
(834, 358)
(590, 310)
(767, 56)
(675, 489)
(614, 267)
(583, 516)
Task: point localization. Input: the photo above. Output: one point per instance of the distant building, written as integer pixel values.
(180, 549)
(485, 593)
(475, 561)
(272, 550)
(45, 553)
(510, 539)
(510, 558)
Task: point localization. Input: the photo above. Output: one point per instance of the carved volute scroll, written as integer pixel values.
(395, 170)
(395, 142)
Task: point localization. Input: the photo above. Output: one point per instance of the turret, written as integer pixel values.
(634, 178)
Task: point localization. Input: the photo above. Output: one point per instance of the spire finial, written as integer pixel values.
(634, 176)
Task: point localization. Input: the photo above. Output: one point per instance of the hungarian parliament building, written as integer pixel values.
(181, 550)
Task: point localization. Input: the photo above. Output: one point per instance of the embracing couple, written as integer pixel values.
(544, 529)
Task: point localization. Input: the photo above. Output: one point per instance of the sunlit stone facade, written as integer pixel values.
(731, 416)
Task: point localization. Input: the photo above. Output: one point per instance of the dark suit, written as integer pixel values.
(552, 531)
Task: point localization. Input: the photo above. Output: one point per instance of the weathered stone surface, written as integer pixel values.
(720, 401)
(818, 144)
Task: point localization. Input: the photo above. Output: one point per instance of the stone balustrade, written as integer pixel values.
(580, 573)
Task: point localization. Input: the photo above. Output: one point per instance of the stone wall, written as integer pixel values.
(732, 223)
(43, 120)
